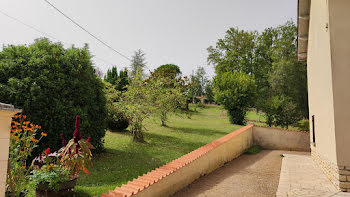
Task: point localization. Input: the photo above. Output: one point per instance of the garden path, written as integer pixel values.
(248, 175)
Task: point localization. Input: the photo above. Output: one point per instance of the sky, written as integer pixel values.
(169, 32)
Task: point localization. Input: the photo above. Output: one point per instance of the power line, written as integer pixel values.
(46, 34)
(84, 29)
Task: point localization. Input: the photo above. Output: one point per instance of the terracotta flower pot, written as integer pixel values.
(65, 189)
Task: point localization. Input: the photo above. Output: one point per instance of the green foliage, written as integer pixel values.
(168, 70)
(236, 92)
(167, 95)
(23, 140)
(136, 104)
(116, 120)
(52, 85)
(281, 111)
(255, 149)
(270, 57)
(119, 81)
(304, 125)
(209, 91)
(52, 177)
(138, 63)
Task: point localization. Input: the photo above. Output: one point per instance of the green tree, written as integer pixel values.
(136, 104)
(270, 57)
(235, 52)
(118, 80)
(52, 85)
(168, 95)
(169, 70)
(236, 92)
(209, 91)
(116, 120)
(138, 63)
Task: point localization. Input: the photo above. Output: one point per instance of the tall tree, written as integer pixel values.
(270, 58)
(168, 70)
(138, 63)
(120, 81)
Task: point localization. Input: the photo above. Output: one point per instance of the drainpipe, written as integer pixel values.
(6, 113)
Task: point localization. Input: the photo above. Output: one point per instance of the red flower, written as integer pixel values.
(77, 134)
(47, 151)
(64, 142)
(88, 140)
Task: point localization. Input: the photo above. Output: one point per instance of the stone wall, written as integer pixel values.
(338, 175)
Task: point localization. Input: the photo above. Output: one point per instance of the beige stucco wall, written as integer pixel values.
(281, 139)
(5, 122)
(320, 87)
(203, 165)
(339, 16)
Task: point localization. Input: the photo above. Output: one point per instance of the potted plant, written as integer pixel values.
(24, 138)
(56, 174)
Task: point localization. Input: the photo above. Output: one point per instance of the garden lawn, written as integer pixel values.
(125, 160)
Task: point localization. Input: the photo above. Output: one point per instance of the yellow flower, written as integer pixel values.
(43, 134)
(34, 140)
(27, 145)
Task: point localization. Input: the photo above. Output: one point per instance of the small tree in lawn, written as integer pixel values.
(136, 105)
(236, 92)
(167, 94)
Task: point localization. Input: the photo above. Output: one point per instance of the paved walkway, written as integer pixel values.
(247, 176)
(301, 177)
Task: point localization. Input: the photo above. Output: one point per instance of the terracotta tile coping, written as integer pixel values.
(146, 180)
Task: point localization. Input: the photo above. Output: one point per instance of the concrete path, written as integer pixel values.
(248, 176)
(301, 177)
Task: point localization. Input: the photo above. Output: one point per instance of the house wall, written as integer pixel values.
(339, 11)
(329, 95)
(6, 112)
(319, 69)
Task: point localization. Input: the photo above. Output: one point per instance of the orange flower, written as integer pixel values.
(43, 134)
(16, 116)
(34, 140)
(38, 126)
(24, 116)
(17, 139)
(27, 145)
(21, 151)
(26, 122)
(24, 166)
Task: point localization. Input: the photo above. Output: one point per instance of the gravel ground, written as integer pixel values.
(247, 176)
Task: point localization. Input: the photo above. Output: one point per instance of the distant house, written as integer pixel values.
(324, 42)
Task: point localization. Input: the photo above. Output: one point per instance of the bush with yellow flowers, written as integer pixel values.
(24, 138)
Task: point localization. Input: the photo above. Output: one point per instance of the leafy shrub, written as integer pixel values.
(236, 92)
(304, 125)
(116, 120)
(52, 85)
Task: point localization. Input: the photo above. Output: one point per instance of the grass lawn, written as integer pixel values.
(125, 159)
